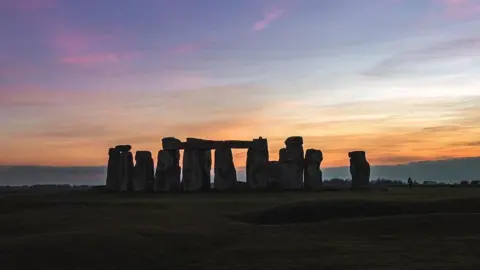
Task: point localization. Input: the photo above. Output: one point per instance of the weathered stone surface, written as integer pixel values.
(123, 148)
(144, 178)
(196, 169)
(359, 169)
(171, 143)
(167, 174)
(313, 179)
(126, 171)
(225, 174)
(257, 164)
(113, 169)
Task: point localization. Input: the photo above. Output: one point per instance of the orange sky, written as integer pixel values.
(72, 129)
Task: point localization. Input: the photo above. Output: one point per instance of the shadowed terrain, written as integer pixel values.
(424, 228)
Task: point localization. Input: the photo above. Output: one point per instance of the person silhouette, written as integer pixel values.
(410, 182)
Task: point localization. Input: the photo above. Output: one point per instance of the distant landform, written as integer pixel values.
(444, 171)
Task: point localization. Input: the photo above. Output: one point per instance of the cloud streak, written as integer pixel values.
(268, 18)
(455, 48)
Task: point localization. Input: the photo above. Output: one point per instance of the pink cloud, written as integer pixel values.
(73, 43)
(92, 59)
(460, 9)
(99, 58)
(193, 46)
(89, 49)
(187, 48)
(268, 17)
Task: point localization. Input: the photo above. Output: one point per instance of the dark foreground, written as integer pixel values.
(424, 228)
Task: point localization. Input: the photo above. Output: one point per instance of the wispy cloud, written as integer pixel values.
(99, 58)
(459, 47)
(89, 49)
(187, 48)
(268, 17)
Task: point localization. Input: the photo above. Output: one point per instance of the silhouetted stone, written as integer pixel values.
(291, 164)
(294, 140)
(167, 174)
(143, 180)
(206, 162)
(194, 143)
(112, 182)
(273, 173)
(196, 169)
(123, 148)
(126, 171)
(257, 163)
(284, 156)
(294, 147)
(312, 173)
(359, 169)
(225, 174)
(171, 143)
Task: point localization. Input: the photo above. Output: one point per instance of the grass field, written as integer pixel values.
(423, 228)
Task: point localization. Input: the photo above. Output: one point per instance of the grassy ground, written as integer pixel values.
(423, 228)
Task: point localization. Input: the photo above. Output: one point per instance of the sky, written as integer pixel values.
(399, 79)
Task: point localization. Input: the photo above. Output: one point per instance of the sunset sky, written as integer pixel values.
(399, 79)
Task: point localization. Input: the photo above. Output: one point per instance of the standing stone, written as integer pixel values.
(167, 175)
(313, 174)
(123, 148)
(287, 170)
(196, 169)
(225, 174)
(359, 169)
(112, 183)
(257, 164)
(294, 146)
(206, 164)
(283, 155)
(126, 171)
(143, 180)
(274, 175)
(291, 164)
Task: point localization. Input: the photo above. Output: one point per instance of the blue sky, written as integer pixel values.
(79, 76)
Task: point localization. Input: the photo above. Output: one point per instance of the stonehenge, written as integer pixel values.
(359, 169)
(294, 170)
